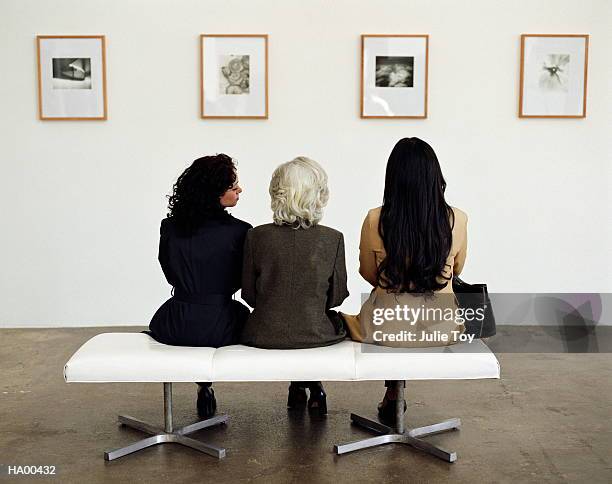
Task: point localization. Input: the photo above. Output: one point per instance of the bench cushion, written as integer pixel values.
(136, 357)
(464, 361)
(244, 363)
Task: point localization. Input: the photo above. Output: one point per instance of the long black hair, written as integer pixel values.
(195, 195)
(415, 220)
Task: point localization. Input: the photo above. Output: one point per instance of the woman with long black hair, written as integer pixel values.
(200, 252)
(410, 249)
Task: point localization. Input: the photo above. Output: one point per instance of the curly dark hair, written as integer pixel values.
(195, 195)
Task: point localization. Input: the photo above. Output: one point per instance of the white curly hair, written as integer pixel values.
(299, 193)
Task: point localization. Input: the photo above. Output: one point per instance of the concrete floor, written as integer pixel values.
(549, 419)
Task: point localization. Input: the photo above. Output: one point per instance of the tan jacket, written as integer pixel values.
(371, 255)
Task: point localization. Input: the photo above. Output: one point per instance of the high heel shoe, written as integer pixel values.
(207, 403)
(387, 412)
(317, 403)
(297, 395)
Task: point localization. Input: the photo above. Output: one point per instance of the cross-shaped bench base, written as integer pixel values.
(168, 434)
(389, 435)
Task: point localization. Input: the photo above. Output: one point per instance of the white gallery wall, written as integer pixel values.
(81, 201)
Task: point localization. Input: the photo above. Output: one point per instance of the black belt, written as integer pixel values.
(195, 298)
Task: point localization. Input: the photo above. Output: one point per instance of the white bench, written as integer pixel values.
(136, 357)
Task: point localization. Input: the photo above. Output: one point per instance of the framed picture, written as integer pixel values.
(71, 77)
(553, 76)
(234, 76)
(394, 76)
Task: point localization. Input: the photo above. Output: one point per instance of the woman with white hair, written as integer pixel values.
(294, 273)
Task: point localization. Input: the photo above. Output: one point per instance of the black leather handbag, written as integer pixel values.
(475, 296)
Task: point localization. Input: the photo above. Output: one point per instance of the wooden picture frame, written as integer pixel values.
(71, 77)
(394, 84)
(234, 76)
(553, 75)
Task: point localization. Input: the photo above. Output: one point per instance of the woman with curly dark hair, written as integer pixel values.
(200, 252)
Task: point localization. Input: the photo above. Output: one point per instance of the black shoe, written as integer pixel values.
(297, 395)
(317, 403)
(386, 412)
(207, 404)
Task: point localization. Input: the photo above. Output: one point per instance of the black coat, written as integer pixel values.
(205, 271)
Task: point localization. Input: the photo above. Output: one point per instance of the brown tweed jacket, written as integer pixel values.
(292, 277)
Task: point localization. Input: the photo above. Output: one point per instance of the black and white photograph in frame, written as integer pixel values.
(71, 73)
(71, 77)
(553, 76)
(234, 76)
(394, 76)
(394, 71)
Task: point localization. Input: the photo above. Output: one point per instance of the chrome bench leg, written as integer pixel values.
(400, 435)
(370, 424)
(366, 443)
(136, 424)
(210, 449)
(135, 447)
(202, 424)
(168, 434)
(450, 424)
